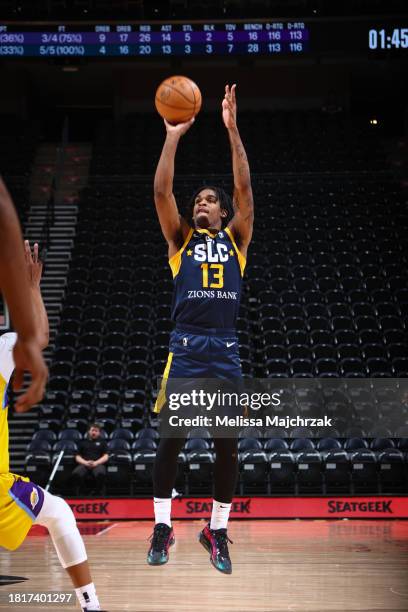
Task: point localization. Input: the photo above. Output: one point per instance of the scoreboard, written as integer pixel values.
(271, 38)
(264, 38)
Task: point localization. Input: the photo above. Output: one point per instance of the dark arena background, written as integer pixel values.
(323, 112)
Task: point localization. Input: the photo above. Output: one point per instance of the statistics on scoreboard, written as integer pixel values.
(166, 39)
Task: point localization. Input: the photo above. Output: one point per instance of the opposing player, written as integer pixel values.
(15, 288)
(207, 256)
(23, 503)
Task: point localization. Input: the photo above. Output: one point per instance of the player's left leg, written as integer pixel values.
(214, 536)
(59, 519)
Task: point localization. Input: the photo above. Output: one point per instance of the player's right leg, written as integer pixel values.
(165, 465)
(164, 476)
(59, 519)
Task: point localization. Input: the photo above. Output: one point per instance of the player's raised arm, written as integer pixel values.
(14, 284)
(34, 268)
(173, 226)
(241, 224)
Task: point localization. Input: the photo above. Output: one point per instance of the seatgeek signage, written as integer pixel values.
(247, 508)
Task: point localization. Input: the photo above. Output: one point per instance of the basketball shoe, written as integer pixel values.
(216, 542)
(161, 540)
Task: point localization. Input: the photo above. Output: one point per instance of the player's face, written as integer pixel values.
(207, 212)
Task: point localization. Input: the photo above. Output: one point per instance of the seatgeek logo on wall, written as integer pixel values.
(247, 507)
(94, 508)
(349, 506)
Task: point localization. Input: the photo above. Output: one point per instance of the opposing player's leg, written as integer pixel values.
(57, 516)
(214, 536)
(164, 476)
(20, 503)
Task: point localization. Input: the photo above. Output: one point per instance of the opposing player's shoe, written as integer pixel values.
(161, 540)
(216, 542)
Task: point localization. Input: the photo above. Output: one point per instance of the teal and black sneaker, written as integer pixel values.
(161, 540)
(216, 542)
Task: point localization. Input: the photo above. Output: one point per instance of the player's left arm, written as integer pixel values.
(241, 224)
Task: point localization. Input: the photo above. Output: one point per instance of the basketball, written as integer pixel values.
(178, 99)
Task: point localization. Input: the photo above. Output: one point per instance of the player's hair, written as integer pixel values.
(225, 204)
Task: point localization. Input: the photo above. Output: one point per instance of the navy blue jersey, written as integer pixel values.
(207, 273)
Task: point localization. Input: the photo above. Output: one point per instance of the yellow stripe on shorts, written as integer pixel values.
(161, 398)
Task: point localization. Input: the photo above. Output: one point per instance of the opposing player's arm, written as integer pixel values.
(34, 267)
(15, 287)
(241, 224)
(174, 227)
(13, 277)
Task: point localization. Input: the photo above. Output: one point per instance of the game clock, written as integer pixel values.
(388, 39)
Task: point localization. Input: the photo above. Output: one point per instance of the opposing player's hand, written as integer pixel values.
(28, 357)
(229, 108)
(180, 128)
(34, 263)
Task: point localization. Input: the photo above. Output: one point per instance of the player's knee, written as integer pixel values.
(60, 521)
(56, 515)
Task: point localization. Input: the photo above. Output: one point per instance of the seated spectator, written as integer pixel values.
(92, 456)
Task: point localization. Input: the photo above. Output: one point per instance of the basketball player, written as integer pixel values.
(15, 289)
(23, 503)
(204, 342)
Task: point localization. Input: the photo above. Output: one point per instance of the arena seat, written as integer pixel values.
(253, 469)
(199, 470)
(393, 473)
(364, 474)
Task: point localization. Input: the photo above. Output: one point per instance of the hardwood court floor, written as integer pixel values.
(298, 566)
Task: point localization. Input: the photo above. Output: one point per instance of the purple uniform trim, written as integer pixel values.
(29, 496)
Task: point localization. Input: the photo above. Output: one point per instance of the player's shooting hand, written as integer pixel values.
(28, 357)
(34, 263)
(180, 128)
(229, 108)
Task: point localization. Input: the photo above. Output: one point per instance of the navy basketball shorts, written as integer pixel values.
(195, 352)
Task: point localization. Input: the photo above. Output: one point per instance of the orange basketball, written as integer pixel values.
(178, 99)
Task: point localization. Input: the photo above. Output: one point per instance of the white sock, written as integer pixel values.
(87, 597)
(219, 515)
(162, 510)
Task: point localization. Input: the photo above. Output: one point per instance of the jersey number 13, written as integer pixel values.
(216, 274)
